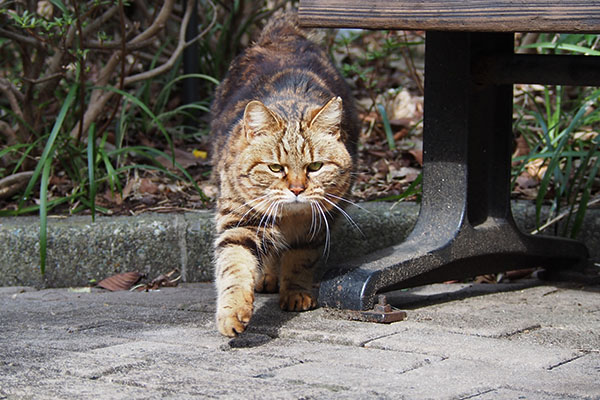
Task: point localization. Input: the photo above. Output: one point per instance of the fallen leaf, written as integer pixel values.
(536, 168)
(405, 106)
(123, 281)
(147, 186)
(525, 181)
(519, 273)
(381, 166)
(489, 278)
(418, 155)
(210, 190)
(129, 187)
(112, 197)
(521, 148)
(402, 133)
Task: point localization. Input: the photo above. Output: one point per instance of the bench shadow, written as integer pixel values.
(435, 294)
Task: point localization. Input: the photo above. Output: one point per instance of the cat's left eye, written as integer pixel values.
(314, 166)
(276, 167)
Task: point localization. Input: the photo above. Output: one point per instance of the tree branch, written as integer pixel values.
(99, 97)
(12, 184)
(20, 38)
(13, 96)
(157, 25)
(182, 44)
(98, 22)
(8, 132)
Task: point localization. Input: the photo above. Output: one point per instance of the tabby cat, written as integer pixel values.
(285, 129)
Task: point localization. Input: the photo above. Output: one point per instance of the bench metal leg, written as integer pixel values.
(465, 227)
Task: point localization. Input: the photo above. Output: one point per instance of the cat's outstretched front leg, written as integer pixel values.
(236, 266)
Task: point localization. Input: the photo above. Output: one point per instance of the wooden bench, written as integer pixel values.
(465, 227)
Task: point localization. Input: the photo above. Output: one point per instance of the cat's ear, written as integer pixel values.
(259, 119)
(329, 117)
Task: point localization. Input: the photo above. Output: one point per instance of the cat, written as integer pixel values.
(284, 128)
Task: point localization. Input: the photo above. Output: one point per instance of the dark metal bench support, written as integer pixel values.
(465, 227)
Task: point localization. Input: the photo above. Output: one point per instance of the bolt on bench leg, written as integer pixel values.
(465, 227)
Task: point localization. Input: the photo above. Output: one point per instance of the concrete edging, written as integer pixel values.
(79, 250)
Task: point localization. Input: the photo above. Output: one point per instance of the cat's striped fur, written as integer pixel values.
(285, 130)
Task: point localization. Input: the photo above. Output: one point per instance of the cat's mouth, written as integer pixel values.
(296, 205)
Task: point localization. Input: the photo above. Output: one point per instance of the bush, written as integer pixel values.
(91, 95)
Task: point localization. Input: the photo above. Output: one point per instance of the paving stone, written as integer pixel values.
(62, 344)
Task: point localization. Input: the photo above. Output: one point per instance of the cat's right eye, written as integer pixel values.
(276, 167)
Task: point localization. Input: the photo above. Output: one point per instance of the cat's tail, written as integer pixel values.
(285, 24)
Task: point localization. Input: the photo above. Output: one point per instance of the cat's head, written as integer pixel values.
(293, 161)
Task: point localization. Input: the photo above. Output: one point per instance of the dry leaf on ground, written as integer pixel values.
(123, 281)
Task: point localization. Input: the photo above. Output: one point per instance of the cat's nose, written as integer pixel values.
(297, 189)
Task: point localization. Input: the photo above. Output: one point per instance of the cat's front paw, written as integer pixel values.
(234, 314)
(267, 283)
(297, 300)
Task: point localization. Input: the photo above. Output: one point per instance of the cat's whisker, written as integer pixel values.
(346, 215)
(275, 213)
(269, 218)
(250, 202)
(252, 208)
(315, 218)
(318, 214)
(321, 210)
(313, 223)
(265, 219)
(278, 209)
(261, 200)
(347, 201)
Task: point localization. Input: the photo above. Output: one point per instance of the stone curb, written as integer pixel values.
(80, 250)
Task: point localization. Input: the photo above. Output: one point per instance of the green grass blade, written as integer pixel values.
(36, 208)
(585, 197)
(414, 189)
(151, 154)
(146, 84)
(50, 143)
(112, 175)
(550, 172)
(44, 213)
(562, 46)
(25, 154)
(60, 5)
(387, 127)
(533, 155)
(91, 161)
(553, 169)
(148, 112)
(168, 86)
(181, 110)
(577, 182)
(87, 204)
(14, 148)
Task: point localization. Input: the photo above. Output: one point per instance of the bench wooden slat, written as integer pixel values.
(454, 15)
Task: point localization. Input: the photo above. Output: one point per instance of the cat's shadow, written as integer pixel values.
(266, 322)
